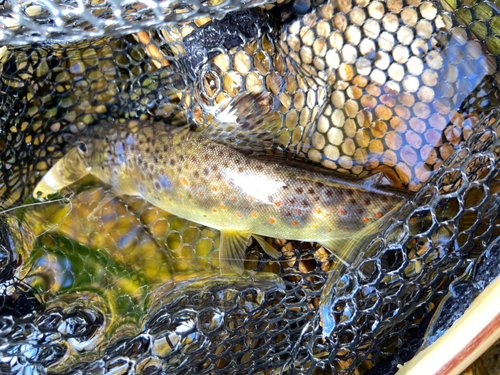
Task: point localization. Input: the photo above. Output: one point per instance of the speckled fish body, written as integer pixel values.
(209, 183)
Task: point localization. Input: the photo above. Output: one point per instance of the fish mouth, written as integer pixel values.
(65, 172)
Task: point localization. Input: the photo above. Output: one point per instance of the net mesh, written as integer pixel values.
(40, 21)
(115, 291)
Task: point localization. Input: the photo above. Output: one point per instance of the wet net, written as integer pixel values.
(124, 287)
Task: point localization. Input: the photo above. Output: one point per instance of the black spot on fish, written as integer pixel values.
(206, 157)
(350, 192)
(384, 199)
(311, 191)
(299, 190)
(293, 201)
(220, 153)
(367, 202)
(237, 161)
(165, 148)
(353, 201)
(306, 203)
(319, 184)
(329, 193)
(215, 167)
(285, 187)
(172, 162)
(240, 170)
(225, 164)
(196, 174)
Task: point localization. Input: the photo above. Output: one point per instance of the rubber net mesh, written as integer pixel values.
(95, 283)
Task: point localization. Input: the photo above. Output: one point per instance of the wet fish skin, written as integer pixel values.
(215, 185)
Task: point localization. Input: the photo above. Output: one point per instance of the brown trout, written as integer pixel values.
(200, 180)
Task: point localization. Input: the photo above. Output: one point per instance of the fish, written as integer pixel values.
(242, 195)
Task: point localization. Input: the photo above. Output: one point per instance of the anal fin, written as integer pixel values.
(232, 250)
(338, 248)
(268, 249)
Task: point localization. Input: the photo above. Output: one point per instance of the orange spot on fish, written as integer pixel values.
(315, 226)
(233, 199)
(378, 215)
(170, 199)
(365, 219)
(183, 206)
(201, 194)
(278, 204)
(343, 212)
(214, 210)
(195, 203)
(254, 214)
(297, 212)
(271, 220)
(184, 181)
(325, 215)
(179, 195)
(346, 229)
(238, 214)
(318, 211)
(222, 207)
(412, 220)
(329, 230)
(295, 222)
(250, 198)
(214, 188)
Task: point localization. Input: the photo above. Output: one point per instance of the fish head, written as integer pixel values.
(102, 151)
(91, 149)
(66, 171)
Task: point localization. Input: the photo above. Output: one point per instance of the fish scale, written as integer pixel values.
(212, 184)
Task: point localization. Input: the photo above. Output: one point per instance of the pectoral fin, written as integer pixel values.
(94, 215)
(269, 250)
(232, 250)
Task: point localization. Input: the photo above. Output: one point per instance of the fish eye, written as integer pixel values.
(82, 147)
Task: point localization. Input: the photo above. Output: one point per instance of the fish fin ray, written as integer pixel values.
(232, 250)
(338, 247)
(268, 249)
(103, 202)
(249, 122)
